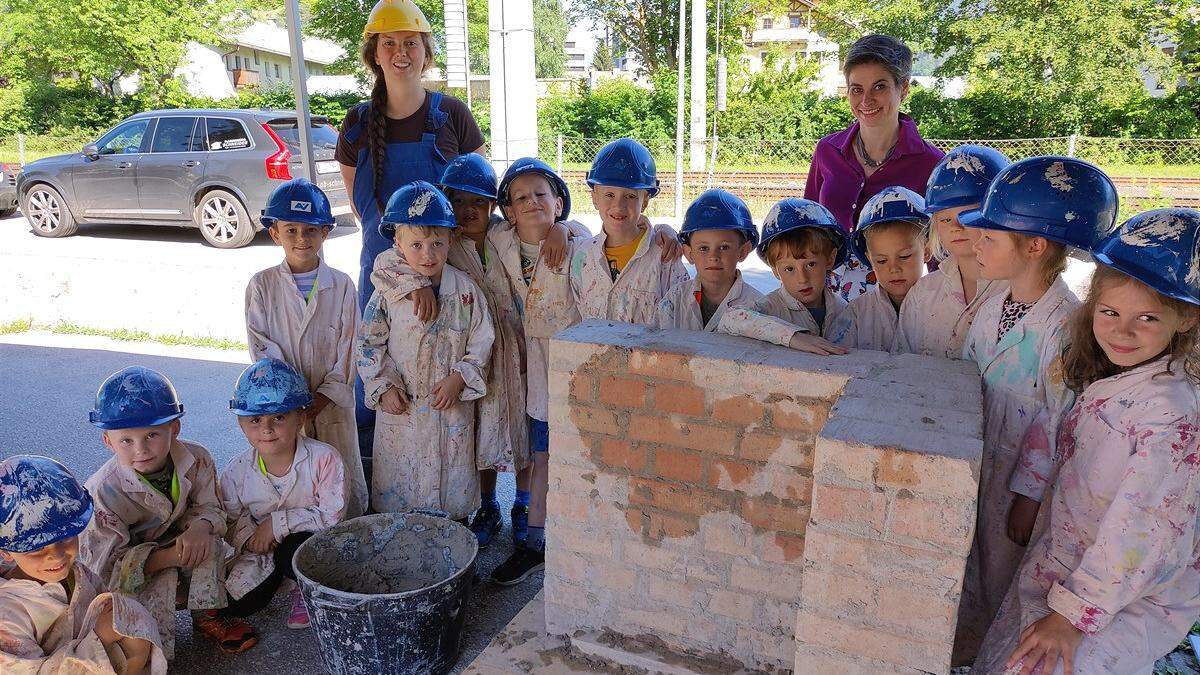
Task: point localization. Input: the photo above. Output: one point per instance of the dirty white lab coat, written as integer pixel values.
(778, 316)
(867, 322)
(1120, 555)
(680, 309)
(634, 296)
(317, 339)
(935, 315)
(312, 498)
(425, 458)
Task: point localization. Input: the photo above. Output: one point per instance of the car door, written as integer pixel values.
(105, 185)
(168, 173)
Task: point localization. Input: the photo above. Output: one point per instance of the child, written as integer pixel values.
(158, 525)
(938, 311)
(1034, 209)
(717, 234)
(304, 312)
(422, 378)
(801, 242)
(1113, 582)
(890, 240)
(623, 272)
(277, 493)
(54, 615)
(533, 198)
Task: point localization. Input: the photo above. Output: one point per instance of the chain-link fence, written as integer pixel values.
(25, 148)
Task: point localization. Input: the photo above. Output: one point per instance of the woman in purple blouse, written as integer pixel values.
(881, 148)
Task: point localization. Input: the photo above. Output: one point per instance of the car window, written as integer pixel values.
(226, 134)
(124, 139)
(173, 134)
(322, 135)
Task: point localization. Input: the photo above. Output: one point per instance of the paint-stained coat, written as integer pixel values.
(634, 296)
(1120, 554)
(1022, 381)
(311, 499)
(680, 309)
(317, 339)
(867, 322)
(425, 458)
(502, 436)
(132, 520)
(43, 632)
(778, 316)
(935, 316)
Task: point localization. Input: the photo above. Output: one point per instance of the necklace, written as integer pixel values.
(862, 151)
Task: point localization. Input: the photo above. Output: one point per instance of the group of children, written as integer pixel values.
(1090, 408)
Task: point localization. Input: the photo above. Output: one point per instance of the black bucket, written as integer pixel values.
(387, 593)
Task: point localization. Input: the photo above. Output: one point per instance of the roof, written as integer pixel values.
(269, 37)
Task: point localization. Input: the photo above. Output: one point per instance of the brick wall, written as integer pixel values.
(691, 474)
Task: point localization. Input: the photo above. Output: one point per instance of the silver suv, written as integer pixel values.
(211, 169)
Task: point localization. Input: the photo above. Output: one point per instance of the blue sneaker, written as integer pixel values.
(486, 524)
(520, 523)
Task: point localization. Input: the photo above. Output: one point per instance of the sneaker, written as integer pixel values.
(486, 524)
(520, 523)
(523, 562)
(232, 635)
(298, 616)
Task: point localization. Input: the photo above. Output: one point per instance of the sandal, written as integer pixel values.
(231, 634)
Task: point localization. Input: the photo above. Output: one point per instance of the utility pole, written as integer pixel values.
(679, 109)
(300, 84)
(699, 129)
(513, 85)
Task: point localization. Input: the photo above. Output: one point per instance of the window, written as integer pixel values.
(768, 24)
(173, 134)
(226, 134)
(237, 62)
(762, 56)
(570, 45)
(256, 57)
(319, 132)
(794, 21)
(277, 71)
(124, 139)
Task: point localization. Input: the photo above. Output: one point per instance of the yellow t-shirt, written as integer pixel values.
(619, 256)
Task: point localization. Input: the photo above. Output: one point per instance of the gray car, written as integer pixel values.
(8, 188)
(211, 169)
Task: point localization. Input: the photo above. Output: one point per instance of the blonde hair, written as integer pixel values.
(1085, 361)
(920, 233)
(1054, 262)
(425, 230)
(797, 243)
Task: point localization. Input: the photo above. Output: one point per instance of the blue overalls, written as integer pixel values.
(403, 163)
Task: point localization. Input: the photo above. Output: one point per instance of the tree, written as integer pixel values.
(549, 37)
(603, 59)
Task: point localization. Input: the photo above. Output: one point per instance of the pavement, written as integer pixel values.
(51, 383)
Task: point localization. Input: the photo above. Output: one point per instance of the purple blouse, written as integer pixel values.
(836, 179)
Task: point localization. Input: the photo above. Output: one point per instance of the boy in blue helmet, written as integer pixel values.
(422, 378)
(158, 524)
(54, 614)
(718, 233)
(891, 240)
(305, 313)
(623, 272)
(279, 492)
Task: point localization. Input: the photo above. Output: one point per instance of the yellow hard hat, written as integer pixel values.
(393, 15)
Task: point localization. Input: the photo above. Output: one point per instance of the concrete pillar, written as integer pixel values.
(513, 85)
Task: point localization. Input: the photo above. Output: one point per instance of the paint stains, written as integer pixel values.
(420, 204)
(1154, 230)
(964, 161)
(1058, 177)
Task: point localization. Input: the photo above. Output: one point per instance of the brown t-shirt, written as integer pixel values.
(458, 136)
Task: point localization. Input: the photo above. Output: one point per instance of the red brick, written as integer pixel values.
(623, 455)
(781, 547)
(733, 605)
(840, 594)
(836, 505)
(661, 366)
(918, 608)
(942, 525)
(728, 540)
(622, 392)
(800, 414)
(732, 474)
(673, 431)
(684, 399)
(669, 526)
(855, 640)
(743, 410)
(770, 447)
(889, 561)
(772, 516)
(582, 387)
(787, 483)
(678, 465)
(684, 499)
(595, 420)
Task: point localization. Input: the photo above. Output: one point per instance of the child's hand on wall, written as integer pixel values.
(446, 392)
(1021, 518)
(815, 345)
(554, 248)
(671, 248)
(1046, 641)
(394, 401)
(425, 306)
(195, 544)
(263, 539)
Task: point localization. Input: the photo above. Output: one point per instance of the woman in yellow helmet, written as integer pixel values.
(404, 133)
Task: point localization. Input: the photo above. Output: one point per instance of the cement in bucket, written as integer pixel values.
(387, 593)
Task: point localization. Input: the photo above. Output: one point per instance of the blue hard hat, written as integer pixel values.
(417, 203)
(1060, 198)
(962, 177)
(891, 204)
(40, 503)
(534, 165)
(624, 163)
(795, 213)
(269, 387)
(717, 209)
(470, 173)
(298, 201)
(1160, 248)
(135, 397)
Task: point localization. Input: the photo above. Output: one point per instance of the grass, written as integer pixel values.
(66, 328)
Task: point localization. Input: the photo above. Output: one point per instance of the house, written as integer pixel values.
(792, 35)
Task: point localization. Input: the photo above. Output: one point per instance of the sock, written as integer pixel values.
(488, 499)
(536, 538)
(522, 498)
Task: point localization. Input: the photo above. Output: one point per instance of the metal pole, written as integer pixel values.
(1071, 146)
(300, 85)
(21, 148)
(679, 111)
(699, 83)
(559, 166)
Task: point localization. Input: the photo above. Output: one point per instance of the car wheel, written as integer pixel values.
(223, 220)
(48, 213)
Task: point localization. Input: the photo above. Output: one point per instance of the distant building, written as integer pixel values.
(258, 56)
(794, 36)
